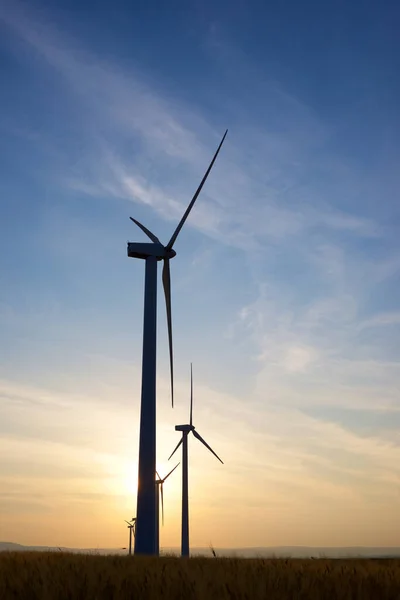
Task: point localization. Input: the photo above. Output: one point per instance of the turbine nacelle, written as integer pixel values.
(145, 250)
(186, 428)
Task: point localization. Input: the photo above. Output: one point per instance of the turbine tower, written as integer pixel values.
(145, 539)
(186, 429)
(131, 527)
(160, 492)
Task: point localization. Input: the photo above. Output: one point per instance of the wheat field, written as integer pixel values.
(67, 576)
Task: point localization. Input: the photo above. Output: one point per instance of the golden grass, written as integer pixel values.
(65, 576)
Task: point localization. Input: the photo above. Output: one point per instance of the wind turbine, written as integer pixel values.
(131, 527)
(145, 539)
(186, 429)
(160, 492)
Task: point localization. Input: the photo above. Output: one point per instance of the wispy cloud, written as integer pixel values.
(247, 197)
(381, 320)
(309, 349)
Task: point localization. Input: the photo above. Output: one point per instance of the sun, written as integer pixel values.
(130, 479)
(125, 481)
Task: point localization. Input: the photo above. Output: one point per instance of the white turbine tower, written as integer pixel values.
(145, 539)
(186, 429)
(160, 493)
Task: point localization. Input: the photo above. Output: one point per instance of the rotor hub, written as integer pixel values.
(170, 253)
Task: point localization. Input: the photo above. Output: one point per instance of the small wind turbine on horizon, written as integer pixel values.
(186, 429)
(131, 527)
(160, 493)
(146, 537)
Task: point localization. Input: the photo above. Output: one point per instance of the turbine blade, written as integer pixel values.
(177, 446)
(172, 470)
(166, 278)
(127, 522)
(162, 503)
(189, 208)
(191, 394)
(158, 475)
(153, 237)
(198, 436)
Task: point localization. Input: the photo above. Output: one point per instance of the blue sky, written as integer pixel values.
(285, 286)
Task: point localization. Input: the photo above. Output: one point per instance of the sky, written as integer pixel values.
(285, 287)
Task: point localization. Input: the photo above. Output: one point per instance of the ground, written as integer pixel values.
(67, 576)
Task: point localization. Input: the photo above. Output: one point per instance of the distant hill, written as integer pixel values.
(11, 547)
(264, 552)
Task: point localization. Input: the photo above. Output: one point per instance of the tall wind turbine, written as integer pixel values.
(131, 527)
(186, 429)
(145, 540)
(160, 492)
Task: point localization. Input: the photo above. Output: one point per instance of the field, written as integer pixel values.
(65, 576)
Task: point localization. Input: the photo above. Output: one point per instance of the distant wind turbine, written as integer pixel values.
(186, 429)
(131, 527)
(145, 540)
(160, 492)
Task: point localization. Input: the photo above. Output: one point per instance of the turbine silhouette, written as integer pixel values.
(146, 537)
(186, 429)
(160, 493)
(131, 527)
